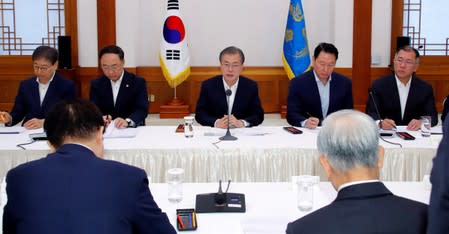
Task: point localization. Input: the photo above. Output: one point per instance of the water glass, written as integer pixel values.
(305, 192)
(175, 177)
(188, 126)
(426, 125)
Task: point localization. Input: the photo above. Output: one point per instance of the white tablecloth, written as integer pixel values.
(261, 154)
(269, 206)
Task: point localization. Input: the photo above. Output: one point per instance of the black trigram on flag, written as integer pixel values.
(173, 5)
(173, 54)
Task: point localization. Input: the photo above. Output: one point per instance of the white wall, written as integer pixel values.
(87, 33)
(257, 26)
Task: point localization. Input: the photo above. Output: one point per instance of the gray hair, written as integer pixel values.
(349, 139)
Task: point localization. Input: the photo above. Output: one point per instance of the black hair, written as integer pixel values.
(408, 48)
(112, 49)
(45, 52)
(232, 50)
(74, 118)
(327, 48)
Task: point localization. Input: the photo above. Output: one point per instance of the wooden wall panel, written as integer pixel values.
(361, 54)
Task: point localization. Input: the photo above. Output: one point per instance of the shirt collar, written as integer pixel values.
(233, 88)
(38, 81)
(318, 79)
(119, 81)
(354, 183)
(400, 84)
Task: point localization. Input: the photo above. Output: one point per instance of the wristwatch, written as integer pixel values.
(130, 122)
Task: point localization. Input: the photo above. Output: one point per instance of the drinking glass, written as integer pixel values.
(175, 177)
(188, 126)
(426, 125)
(305, 192)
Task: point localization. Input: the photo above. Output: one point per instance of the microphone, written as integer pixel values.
(228, 136)
(220, 197)
(220, 201)
(370, 91)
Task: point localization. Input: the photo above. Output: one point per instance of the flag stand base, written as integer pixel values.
(175, 109)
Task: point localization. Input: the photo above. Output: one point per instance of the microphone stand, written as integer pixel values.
(228, 136)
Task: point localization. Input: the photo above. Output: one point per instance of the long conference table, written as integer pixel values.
(269, 206)
(260, 154)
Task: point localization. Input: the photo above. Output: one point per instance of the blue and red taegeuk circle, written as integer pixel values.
(174, 31)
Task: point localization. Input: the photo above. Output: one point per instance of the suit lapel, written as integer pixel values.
(49, 93)
(395, 99)
(223, 102)
(316, 96)
(109, 98)
(123, 91)
(35, 93)
(332, 89)
(237, 97)
(410, 103)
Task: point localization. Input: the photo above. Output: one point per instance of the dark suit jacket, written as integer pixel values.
(304, 97)
(439, 177)
(365, 208)
(445, 108)
(212, 102)
(132, 98)
(27, 104)
(73, 191)
(420, 101)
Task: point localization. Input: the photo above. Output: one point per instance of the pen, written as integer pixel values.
(181, 224)
(194, 219)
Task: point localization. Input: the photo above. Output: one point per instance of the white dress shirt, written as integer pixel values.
(43, 88)
(116, 87)
(403, 90)
(232, 97)
(324, 91)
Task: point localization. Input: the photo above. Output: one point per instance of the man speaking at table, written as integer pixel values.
(74, 190)
(212, 107)
(351, 156)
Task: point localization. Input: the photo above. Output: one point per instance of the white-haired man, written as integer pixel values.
(351, 157)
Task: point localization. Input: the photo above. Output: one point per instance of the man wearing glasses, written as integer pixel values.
(120, 95)
(319, 92)
(402, 98)
(38, 94)
(244, 108)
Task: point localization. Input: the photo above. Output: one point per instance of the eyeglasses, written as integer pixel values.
(231, 65)
(42, 68)
(406, 62)
(114, 67)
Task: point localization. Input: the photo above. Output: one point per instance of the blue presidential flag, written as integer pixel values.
(295, 55)
(174, 54)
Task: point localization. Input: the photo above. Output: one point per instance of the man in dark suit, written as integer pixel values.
(120, 95)
(319, 92)
(439, 177)
(74, 190)
(244, 104)
(38, 94)
(351, 156)
(402, 98)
